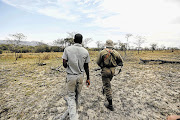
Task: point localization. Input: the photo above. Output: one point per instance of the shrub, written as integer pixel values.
(20, 56)
(46, 57)
(1, 51)
(42, 48)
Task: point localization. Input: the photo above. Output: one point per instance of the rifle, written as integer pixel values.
(118, 71)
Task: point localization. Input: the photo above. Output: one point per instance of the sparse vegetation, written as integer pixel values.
(30, 91)
(1, 51)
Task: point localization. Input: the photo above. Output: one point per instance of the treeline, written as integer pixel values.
(59, 44)
(11, 48)
(29, 49)
(15, 45)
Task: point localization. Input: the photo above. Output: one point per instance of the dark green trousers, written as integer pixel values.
(107, 75)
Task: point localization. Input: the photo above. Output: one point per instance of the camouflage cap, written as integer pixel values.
(109, 43)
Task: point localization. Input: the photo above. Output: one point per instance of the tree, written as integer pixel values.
(15, 40)
(122, 46)
(70, 38)
(116, 45)
(68, 41)
(153, 47)
(18, 37)
(42, 48)
(127, 38)
(71, 34)
(139, 41)
(99, 44)
(87, 41)
(163, 47)
(1, 51)
(59, 42)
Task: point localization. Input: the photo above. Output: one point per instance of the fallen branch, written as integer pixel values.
(161, 61)
(57, 69)
(41, 64)
(96, 69)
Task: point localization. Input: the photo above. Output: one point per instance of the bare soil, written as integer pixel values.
(140, 92)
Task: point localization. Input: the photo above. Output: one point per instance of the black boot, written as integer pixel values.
(103, 90)
(109, 106)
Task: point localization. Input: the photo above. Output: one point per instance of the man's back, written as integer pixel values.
(103, 55)
(76, 56)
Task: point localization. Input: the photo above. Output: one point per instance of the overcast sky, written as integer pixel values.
(47, 20)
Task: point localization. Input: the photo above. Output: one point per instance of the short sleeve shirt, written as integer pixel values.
(76, 55)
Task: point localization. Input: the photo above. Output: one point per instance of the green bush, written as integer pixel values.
(1, 51)
(42, 48)
(56, 49)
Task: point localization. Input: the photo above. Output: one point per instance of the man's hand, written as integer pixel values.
(87, 83)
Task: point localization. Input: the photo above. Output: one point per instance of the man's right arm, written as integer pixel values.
(65, 63)
(65, 59)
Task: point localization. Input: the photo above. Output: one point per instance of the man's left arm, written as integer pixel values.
(119, 59)
(86, 68)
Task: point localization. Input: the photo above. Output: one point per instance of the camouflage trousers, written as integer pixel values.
(107, 75)
(74, 86)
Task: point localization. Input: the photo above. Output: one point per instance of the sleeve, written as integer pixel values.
(87, 59)
(119, 60)
(65, 55)
(98, 61)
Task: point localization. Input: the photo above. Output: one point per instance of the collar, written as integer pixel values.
(110, 48)
(77, 44)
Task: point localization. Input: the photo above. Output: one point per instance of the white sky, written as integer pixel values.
(157, 20)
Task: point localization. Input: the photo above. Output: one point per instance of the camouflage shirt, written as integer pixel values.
(100, 58)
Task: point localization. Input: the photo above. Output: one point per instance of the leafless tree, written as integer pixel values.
(69, 40)
(71, 34)
(87, 41)
(99, 44)
(59, 42)
(139, 41)
(163, 47)
(127, 38)
(122, 46)
(116, 45)
(119, 44)
(15, 40)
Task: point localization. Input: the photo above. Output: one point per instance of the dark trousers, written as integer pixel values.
(107, 75)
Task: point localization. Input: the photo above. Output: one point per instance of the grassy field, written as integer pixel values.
(31, 90)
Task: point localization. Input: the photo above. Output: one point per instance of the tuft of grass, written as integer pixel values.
(46, 57)
(20, 55)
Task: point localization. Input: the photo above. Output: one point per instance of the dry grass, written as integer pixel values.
(44, 56)
(29, 91)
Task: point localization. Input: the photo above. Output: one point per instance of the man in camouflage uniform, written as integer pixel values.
(108, 60)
